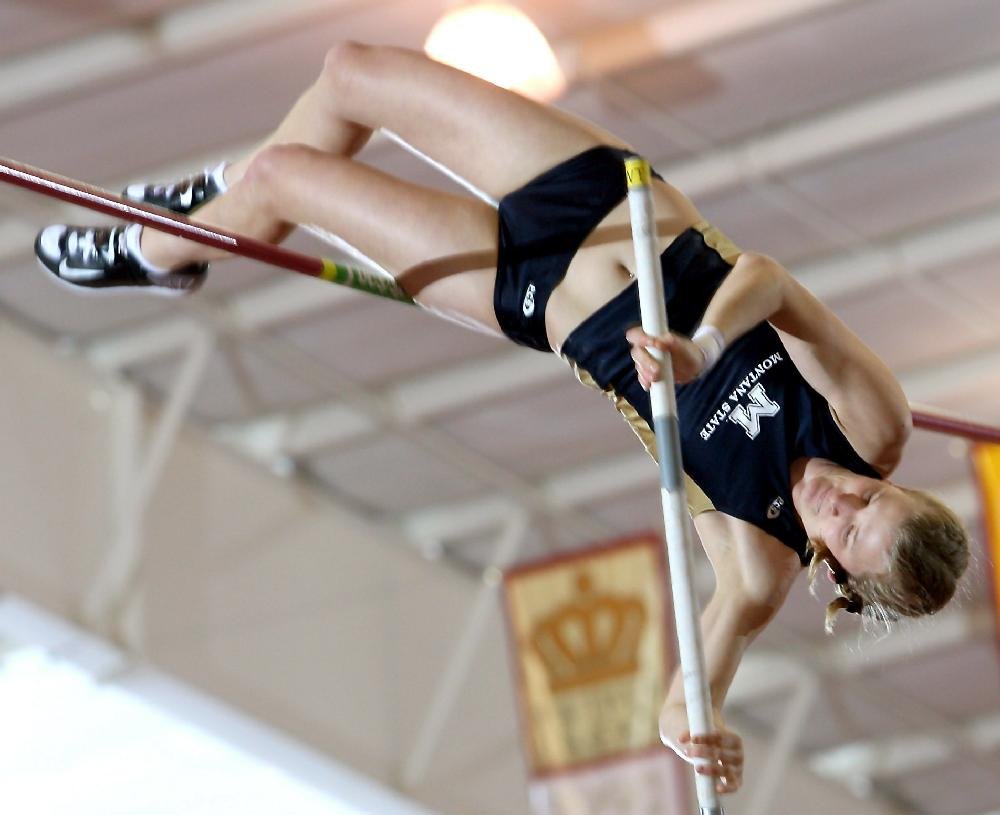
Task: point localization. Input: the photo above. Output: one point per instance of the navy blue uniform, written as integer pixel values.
(743, 423)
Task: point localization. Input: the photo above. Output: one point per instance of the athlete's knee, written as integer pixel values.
(348, 61)
(756, 261)
(340, 69)
(274, 169)
(342, 56)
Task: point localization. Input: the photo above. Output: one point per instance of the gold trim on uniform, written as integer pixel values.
(715, 239)
(697, 501)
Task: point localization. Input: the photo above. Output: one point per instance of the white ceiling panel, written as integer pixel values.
(765, 217)
(931, 177)
(237, 383)
(393, 475)
(367, 341)
(827, 60)
(933, 460)
(545, 430)
(909, 324)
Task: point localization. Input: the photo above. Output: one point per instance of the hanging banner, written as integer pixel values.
(987, 460)
(590, 638)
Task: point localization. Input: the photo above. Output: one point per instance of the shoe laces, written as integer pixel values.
(195, 185)
(95, 245)
(177, 188)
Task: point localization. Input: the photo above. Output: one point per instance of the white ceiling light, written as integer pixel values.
(500, 44)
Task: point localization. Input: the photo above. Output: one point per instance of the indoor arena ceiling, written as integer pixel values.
(855, 140)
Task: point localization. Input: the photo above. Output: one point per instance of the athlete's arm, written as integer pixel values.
(750, 294)
(728, 626)
(865, 396)
(753, 575)
(867, 400)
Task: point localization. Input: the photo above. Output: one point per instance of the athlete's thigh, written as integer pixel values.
(442, 247)
(494, 138)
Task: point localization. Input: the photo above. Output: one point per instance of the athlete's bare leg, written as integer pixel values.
(446, 244)
(496, 139)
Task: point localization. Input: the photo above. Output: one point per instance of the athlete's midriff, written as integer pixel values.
(604, 265)
(566, 233)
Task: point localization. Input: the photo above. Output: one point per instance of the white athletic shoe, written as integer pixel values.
(98, 258)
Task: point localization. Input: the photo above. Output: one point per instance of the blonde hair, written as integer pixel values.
(929, 554)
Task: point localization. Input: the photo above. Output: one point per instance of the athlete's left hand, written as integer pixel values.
(686, 357)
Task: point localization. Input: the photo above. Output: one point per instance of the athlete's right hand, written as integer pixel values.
(718, 754)
(686, 357)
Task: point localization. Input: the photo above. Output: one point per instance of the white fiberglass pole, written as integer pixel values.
(675, 514)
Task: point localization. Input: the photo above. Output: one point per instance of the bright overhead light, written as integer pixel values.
(500, 44)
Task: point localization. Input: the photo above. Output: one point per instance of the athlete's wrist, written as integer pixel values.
(711, 343)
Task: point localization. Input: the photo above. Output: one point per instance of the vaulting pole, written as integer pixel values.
(668, 448)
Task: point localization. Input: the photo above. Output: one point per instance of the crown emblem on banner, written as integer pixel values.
(592, 638)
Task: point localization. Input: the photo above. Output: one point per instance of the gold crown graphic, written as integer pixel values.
(593, 638)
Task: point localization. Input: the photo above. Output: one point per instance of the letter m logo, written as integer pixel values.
(749, 417)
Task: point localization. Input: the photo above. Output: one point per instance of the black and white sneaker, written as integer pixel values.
(105, 257)
(184, 196)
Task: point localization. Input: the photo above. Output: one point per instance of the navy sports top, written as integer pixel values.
(745, 422)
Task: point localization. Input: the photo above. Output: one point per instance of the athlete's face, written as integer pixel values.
(855, 516)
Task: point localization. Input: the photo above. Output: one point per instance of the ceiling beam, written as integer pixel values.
(883, 118)
(412, 402)
(55, 69)
(254, 309)
(908, 753)
(912, 252)
(143, 44)
(765, 672)
(575, 487)
(678, 30)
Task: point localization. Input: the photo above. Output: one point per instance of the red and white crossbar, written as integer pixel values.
(94, 198)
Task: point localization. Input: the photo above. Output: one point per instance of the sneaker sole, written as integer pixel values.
(105, 291)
